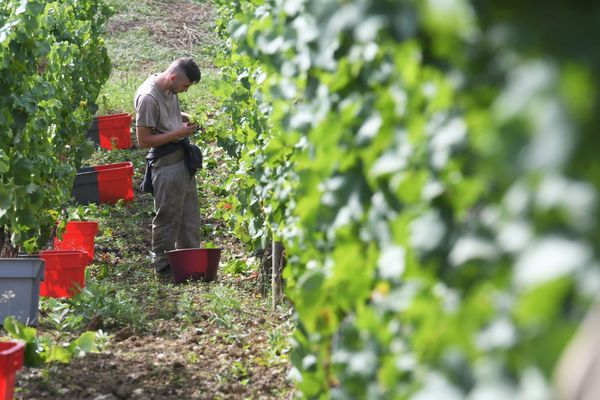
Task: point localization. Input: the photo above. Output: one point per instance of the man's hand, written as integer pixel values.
(199, 128)
(186, 129)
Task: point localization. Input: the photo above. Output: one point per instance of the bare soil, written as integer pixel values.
(177, 25)
(212, 347)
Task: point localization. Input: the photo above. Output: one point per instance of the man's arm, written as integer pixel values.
(146, 138)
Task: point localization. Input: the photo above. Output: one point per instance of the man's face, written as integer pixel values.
(181, 84)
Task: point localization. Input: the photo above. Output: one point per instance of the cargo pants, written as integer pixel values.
(177, 221)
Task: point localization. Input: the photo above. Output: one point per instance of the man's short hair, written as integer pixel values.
(187, 66)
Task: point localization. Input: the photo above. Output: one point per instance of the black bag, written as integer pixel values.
(192, 158)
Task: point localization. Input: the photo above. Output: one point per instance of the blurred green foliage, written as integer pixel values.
(431, 167)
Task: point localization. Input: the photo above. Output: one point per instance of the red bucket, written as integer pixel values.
(12, 355)
(115, 182)
(194, 264)
(65, 272)
(115, 130)
(78, 235)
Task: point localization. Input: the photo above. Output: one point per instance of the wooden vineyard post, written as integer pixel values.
(277, 262)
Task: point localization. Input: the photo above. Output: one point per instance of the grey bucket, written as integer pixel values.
(20, 288)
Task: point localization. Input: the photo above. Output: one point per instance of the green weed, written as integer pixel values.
(59, 315)
(188, 309)
(239, 372)
(107, 305)
(237, 267)
(40, 350)
(278, 342)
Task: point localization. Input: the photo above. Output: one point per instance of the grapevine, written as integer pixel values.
(430, 172)
(53, 63)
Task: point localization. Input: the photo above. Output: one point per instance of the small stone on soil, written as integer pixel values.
(109, 396)
(124, 391)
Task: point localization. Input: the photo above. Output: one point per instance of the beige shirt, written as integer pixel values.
(160, 111)
(156, 109)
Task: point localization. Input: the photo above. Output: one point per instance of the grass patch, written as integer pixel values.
(143, 38)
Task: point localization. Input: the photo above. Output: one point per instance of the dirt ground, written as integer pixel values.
(198, 340)
(192, 364)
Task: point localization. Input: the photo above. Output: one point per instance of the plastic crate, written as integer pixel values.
(65, 272)
(194, 264)
(104, 183)
(111, 131)
(85, 187)
(20, 288)
(12, 355)
(115, 182)
(78, 235)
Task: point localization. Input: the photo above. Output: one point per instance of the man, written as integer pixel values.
(161, 125)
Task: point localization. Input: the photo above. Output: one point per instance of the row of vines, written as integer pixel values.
(53, 63)
(430, 168)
